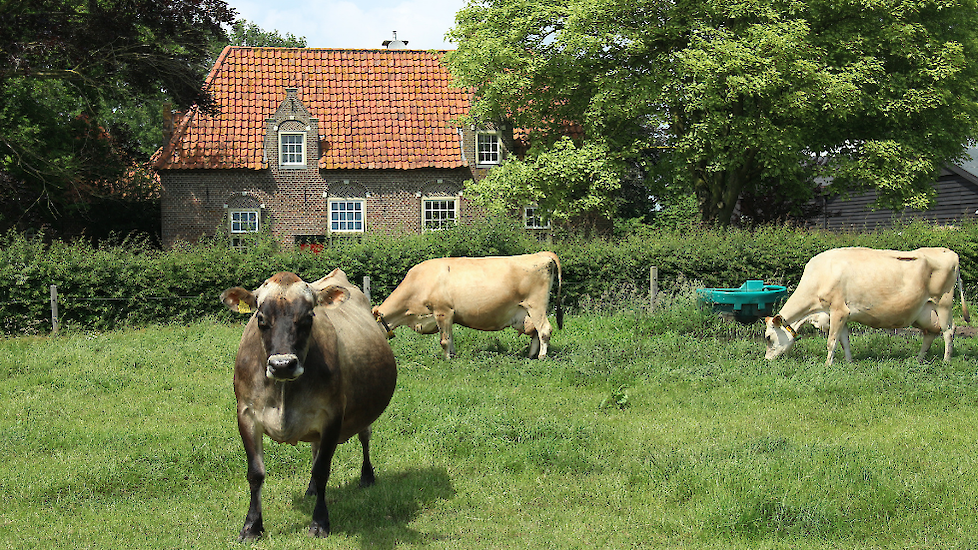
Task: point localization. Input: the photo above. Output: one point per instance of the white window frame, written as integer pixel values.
(428, 206)
(531, 220)
(362, 221)
(238, 228)
(488, 151)
(287, 156)
(250, 226)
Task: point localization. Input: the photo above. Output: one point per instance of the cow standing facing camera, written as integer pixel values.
(312, 366)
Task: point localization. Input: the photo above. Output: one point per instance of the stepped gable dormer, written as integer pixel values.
(292, 136)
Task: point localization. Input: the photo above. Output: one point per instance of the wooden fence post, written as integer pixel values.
(366, 286)
(54, 309)
(653, 286)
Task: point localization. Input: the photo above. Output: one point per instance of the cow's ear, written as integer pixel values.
(239, 300)
(777, 320)
(333, 295)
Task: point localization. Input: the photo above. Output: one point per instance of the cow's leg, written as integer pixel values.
(534, 345)
(946, 320)
(320, 476)
(928, 338)
(251, 437)
(445, 319)
(366, 469)
(311, 490)
(538, 327)
(543, 334)
(837, 324)
(948, 341)
(844, 338)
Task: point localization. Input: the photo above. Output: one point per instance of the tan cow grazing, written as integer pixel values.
(879, 288)
(489, 293)
(312, 366)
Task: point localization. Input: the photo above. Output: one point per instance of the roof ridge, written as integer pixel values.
(412, 50)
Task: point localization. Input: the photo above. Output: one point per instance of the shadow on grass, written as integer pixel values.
(380, 514)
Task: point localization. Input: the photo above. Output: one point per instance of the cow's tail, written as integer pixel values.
(964, 305)
(560, 281)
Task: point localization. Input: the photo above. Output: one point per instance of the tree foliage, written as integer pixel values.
(736, 95)
(80, 84)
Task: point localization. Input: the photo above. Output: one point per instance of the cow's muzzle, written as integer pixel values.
(283, 367)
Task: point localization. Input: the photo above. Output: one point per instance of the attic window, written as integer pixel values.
(487, 148)
(292, 148)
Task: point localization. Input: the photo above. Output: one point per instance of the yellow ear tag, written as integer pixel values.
(243, 308)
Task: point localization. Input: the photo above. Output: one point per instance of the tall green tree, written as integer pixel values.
(73, 75)
(734, 95)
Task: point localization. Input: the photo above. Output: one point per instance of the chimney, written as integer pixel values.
(395, 44)
(167, 122)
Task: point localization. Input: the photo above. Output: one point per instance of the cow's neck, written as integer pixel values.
(795, 314)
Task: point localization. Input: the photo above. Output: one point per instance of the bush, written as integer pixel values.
(133, 284)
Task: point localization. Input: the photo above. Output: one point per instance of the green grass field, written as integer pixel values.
(667, 430)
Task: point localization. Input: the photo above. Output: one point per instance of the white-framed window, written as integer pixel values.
(346, 215)
(438, 213)
(533, 220)
(244, 221)
(487, 147)
(292, 148)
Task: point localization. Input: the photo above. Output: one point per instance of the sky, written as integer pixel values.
(355, 23)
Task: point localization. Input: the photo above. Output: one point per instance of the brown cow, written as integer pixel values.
(482, 293)
(312, 366)
(878, 288)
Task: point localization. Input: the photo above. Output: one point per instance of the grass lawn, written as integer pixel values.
(667, 430)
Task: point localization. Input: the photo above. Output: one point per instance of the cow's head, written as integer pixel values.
(778, 335)
(284, 310)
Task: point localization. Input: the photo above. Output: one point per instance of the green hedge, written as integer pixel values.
(131, 284)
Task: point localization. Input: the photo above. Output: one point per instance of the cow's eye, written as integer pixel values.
(262, 321)
(306, 320)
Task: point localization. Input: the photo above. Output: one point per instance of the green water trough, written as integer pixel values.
(752, 301)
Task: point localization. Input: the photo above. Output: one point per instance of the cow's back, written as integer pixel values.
(857, 270)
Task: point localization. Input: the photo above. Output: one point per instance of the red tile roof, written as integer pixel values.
(377, 109)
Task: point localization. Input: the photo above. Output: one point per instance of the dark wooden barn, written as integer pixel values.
(957, 200)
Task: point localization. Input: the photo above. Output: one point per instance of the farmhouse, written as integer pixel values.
(314, 145)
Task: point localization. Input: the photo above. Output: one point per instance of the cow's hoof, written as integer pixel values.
(250, 533)
(318, 530)
(367, 481)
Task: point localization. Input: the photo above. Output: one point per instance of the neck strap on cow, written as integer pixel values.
(380, 319)
(790, 331)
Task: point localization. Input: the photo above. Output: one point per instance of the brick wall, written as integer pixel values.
(195, 203)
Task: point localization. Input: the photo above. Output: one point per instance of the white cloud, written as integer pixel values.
(356, 24)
